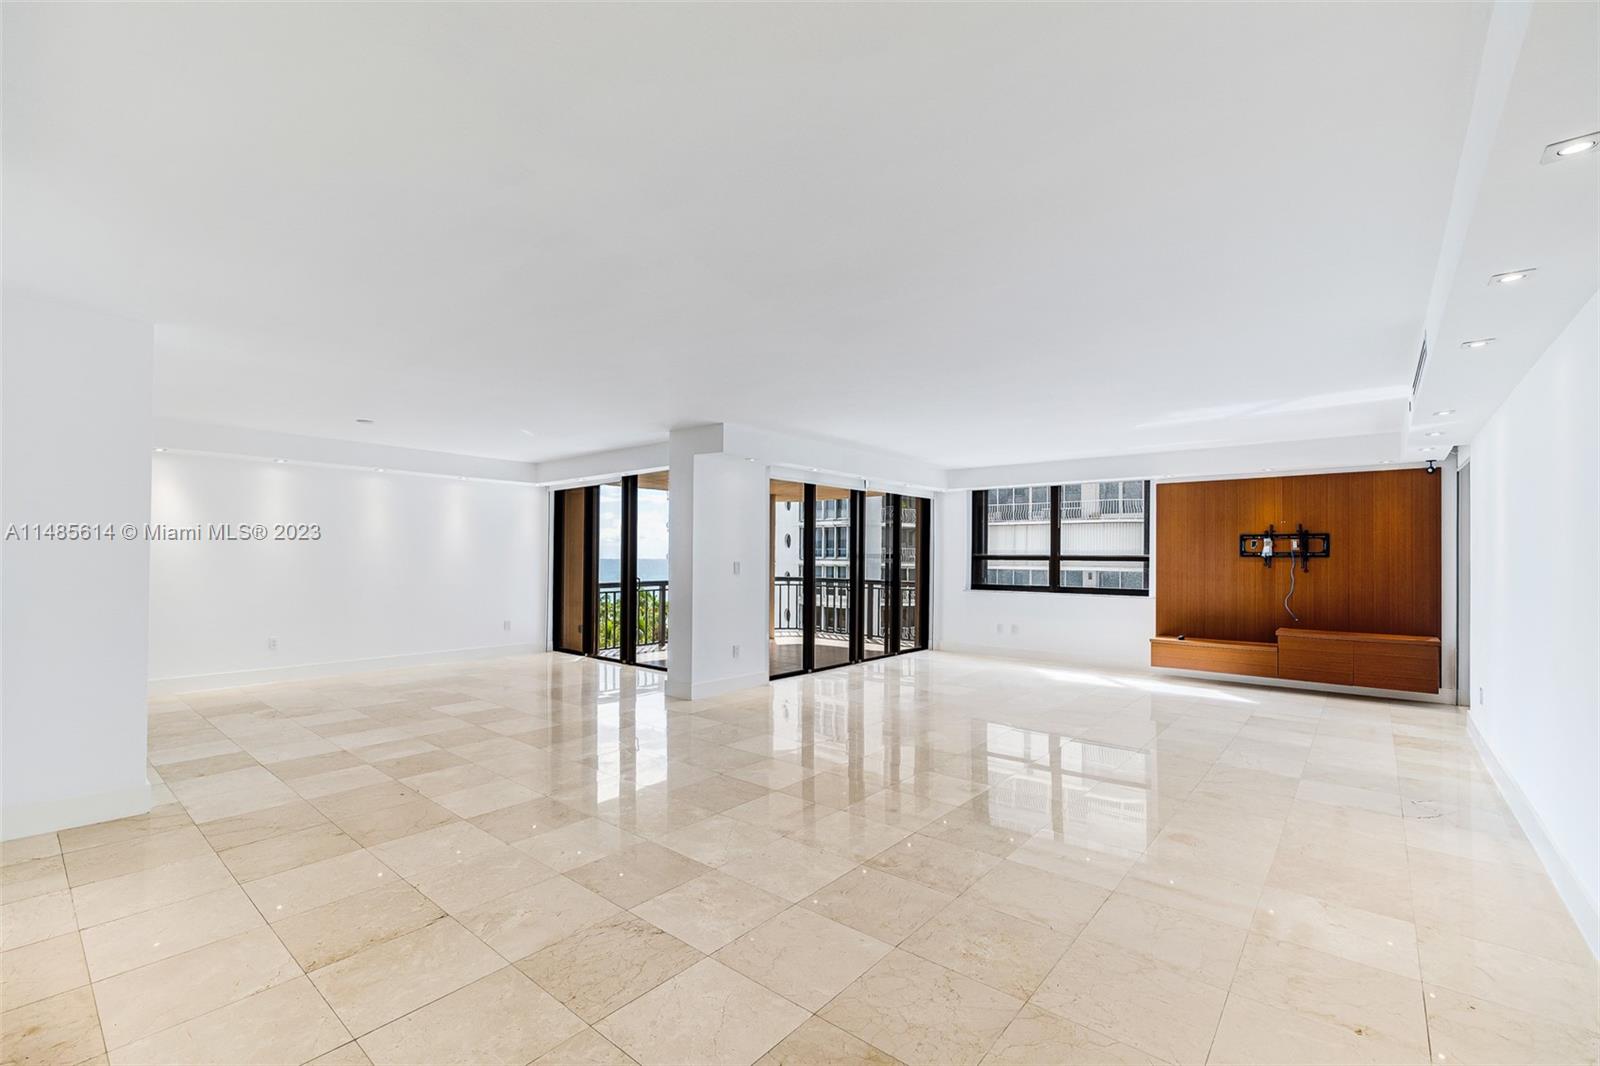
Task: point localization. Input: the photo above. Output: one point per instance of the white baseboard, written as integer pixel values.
(1580, 905)
(30, 819)
(168, 686)
(705, 690)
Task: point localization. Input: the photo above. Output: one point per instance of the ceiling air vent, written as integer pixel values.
(1422, 361)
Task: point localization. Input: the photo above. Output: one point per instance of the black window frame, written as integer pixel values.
(981, 557)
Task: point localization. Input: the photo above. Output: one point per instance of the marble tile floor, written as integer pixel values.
(929, 859)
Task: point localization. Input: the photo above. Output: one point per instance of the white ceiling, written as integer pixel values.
(1527, 214)
(973, 234)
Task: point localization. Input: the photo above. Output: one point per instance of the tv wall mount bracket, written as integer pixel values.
(1312, 545)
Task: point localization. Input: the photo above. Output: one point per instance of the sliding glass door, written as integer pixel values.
(877, 533)
(911, 569)
(849, 576)
(609, 574)
(786, 638)
(830, 598)
(650, 570)
(608, 591)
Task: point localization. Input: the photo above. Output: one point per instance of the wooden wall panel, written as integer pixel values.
(1203, 588)
(1383, 575)
(1404, 553)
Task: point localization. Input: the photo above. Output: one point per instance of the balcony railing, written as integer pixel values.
(1019, 512)
(1040, 512)
(1115, 508)
(652, 601)
(833, 608)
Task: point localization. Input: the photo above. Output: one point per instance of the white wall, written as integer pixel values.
(1096, 630)
(1535, 612)
(408, 568)
(74, 448)
(730, 505)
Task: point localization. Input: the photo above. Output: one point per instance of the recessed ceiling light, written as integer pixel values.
(1447, 411)
(1511, 277)
(1481, 342)
(280, 460)
(378, 469)
(1581, 145)
(1434, 433)
(160, 449)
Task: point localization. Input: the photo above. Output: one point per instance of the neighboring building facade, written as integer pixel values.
(1097, 518)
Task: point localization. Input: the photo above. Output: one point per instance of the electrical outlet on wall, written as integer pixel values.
(736, 651)
(1481, 700)
(506, 625)
(736, 568)
(1013, 629)
(272, 643)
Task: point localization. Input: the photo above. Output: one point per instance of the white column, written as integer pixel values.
(681, 449)
(75, 443)
(730, 571)
(718, 567)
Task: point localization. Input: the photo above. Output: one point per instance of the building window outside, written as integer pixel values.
(1087, 537)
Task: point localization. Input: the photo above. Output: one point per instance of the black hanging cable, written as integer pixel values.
(1290, 596)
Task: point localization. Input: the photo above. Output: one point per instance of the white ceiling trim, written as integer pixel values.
(178, 435)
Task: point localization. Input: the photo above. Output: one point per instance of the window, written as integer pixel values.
(1084, 536)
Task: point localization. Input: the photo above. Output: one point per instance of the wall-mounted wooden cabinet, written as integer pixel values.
(1367, 660)
(1370, 660)
(1249, 657)
(1368, 614)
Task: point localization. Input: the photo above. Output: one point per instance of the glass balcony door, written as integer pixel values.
(786, 550)
(609, 573)
(877, 574)
(608, 590)
(832, 599)
(849, 576)
(911, 570)
(649, 537)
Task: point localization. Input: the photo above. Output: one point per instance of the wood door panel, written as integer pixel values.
(572, 590)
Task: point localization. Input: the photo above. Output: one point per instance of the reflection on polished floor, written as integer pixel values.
(786, 652)
(932, 859)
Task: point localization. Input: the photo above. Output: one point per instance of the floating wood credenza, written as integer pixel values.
(1366, 611)
(1369, 660)
(1249, 657)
